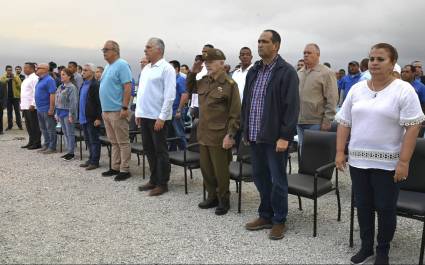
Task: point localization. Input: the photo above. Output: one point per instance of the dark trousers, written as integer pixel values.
(155, 147)
(91, 137)
(33, 128)
(269, 172)
(13, 104)
(375, 190)
(178, 130)
(215, 170)
(1, 117)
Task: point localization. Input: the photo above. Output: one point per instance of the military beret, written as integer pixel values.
(213, 54)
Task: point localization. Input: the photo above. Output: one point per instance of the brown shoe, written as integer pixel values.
(146, 187)
(158, 190)
(278, 231)
(258, 224)
(91, 167)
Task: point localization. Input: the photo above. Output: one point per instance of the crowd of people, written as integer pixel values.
(263, 104)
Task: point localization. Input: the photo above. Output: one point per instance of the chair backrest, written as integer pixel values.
(318, 149)
(416, 179)
(244, 151)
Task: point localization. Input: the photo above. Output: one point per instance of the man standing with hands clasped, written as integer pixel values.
(219, 115)
(269, 117)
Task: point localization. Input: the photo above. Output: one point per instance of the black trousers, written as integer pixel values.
(33, 129)
(375, 190)
(13, 104)
(1, 117)
(155, 147)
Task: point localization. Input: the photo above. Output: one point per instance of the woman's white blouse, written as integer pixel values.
(378, 121)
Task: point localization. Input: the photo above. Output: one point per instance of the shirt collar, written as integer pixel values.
(158, 63)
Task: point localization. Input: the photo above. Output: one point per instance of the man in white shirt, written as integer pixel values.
(239, 75)
(28, 107)
(155, 97)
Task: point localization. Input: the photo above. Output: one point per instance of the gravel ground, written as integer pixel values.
(52, 211)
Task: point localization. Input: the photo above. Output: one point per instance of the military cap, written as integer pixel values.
(213, 54)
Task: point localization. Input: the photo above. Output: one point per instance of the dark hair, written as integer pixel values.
(31, 65)
(364, 63)
(185, 65)
(327, 64)
(199, 57)
(209, 46)
(80, 67)
(73, 63)
(60, 68)
(8, 66)
(341, 70)
(52, 66)
(246, 48)
(275, 36)
(68, 73)
(389, 48)
(175, 64)
(18, 66)
(412, 67)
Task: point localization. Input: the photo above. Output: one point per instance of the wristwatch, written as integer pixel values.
(124, 108)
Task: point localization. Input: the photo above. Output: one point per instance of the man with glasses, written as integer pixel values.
(45, 92)
(115, 94)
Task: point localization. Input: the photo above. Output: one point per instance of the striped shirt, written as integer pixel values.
(258, 97)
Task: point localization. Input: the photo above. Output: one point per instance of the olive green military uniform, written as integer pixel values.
(219, 115)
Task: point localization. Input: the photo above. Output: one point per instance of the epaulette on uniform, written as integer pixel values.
(230, 80)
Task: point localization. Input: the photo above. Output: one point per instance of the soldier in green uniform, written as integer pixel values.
(219, 117)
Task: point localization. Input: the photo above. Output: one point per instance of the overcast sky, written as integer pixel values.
(60, 31)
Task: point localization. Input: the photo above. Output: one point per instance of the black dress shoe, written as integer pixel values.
(122, 176)
(26, 146)
(20, 128)
(8, 128)
(33, 147)
(208, 203)
(110, 172)
(223, 206)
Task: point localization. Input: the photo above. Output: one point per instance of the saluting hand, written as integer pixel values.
(197, 66)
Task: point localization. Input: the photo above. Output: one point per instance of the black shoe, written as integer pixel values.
(361, 257)
(20, 128)
(63, 156)
(122, 176)
(223, 206)
(208, 203)
(8, 128)
(381, 259)
(33, 147)
(69, 157)
(110, 172)
(26, 146)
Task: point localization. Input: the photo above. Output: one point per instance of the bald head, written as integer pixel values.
(42, 69)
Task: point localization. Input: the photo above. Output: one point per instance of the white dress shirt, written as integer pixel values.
(194, 101)
(157, 91)
(239, 76)
(28, 91)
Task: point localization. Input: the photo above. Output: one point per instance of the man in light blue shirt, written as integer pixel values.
(114, 94)
(155, 97)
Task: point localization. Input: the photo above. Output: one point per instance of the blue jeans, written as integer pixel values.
(179, 132)
(91, 136)
(48, 129)
(269, 172)
(300, 131)
(68, 130)
(375, 190)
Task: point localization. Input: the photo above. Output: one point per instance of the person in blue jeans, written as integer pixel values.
(90, 115)
(45, 91)
(179, 102)
(270, 110)
(66, 110)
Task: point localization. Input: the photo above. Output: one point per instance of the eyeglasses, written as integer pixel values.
(37, 68)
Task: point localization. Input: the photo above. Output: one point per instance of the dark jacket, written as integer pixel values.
(3, 95)
(281, 103)
(93, 108)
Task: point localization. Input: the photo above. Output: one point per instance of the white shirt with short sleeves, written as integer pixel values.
(240, 77)
(378, 121)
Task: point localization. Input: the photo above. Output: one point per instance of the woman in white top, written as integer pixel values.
(383, 116)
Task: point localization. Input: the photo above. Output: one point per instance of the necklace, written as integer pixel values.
(384, 86)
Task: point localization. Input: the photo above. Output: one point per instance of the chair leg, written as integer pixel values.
(300, 206)
(290, 164)
(81, 149)
(185, 179)
(138, 159)
(351, 220)
(110, 156)
(239, 196)
(339, 204)
(237, 186)
(421, 253)
(143, 166)
(204, 192)
(315, 218)
(191, 174)
(60, 137)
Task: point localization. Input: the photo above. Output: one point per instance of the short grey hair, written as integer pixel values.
(158, 43)
(91, 66)
(115, 46)
(315, 46)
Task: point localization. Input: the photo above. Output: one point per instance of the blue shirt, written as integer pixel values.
(420, 90)
(83, 101)
(258, 98)
(111, 89)
(62, 113)
(347, 82)
(45, 86)
(180, 89)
